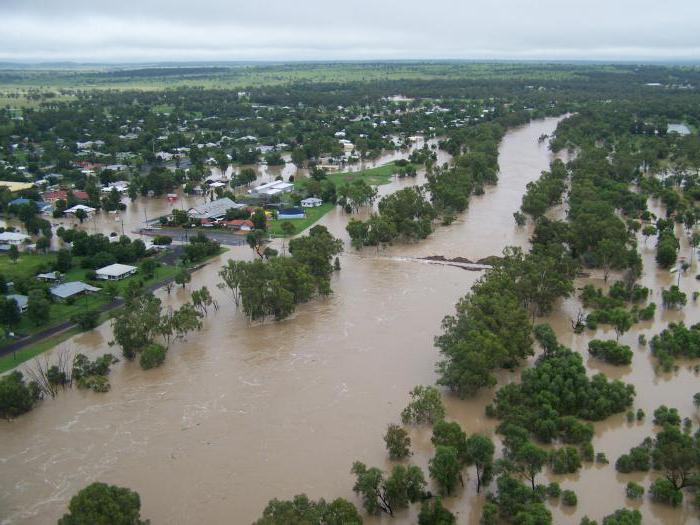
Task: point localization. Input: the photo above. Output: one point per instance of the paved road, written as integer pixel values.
(228, 239)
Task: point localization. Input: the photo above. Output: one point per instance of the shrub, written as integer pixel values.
(663, 491)
(565, 460)
(634, 490)
(568, 497)
(610, 352)
(152, 356)
(86, 320)
(553, 490)
(16, 397)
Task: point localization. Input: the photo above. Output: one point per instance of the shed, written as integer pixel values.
(50, 276)
(291, 213)
(115, 272)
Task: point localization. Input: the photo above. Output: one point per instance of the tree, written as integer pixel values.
(433, 513)
(288, 228)
(623, 517)
(425, 406)
(152, 356)
(479, 452)
(621, 320)
(450, 434)
(64, 260)
(87, 319)
(182, 277)
(232, 275)
(405, 485)
(529, 460)
(259, 219)
(38, 307)
(13, 253)
(16, 397)
(663, 491)
(445, 468)
(148, 268)
(43, 244)
(256, 240)
(102, 504)
(10, 314)
(398, 443)
(81, 215)
(302, 511)
(137, 324)
(316, 251)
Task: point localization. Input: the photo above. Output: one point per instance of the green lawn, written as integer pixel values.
(373, 176)
(10, 361)
(312, 215)
(27, 265)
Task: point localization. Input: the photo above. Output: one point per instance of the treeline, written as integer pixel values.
(547, 191)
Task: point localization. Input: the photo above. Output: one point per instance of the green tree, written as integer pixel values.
(102, 504)
(425, 406)
(81, 215)
(445, 468)
(433, 513)
(232, 275)
(10, 314)
(137, 324)
(398, 443)
(529, 460)
(479, 451)
(288, 228)
(13, 253)
(64, 260)
(302, 511)
(38, 307)
(152, 356)
(182, 277)
(379, 494)
(16, 397)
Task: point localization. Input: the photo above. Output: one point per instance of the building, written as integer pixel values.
(214, 210)
(53, 196)
(273, 188)
(311, 202)
(49, 277)
(71, 289)
(243, 225)
(291, 213)
(74, 209)
(15, 238)
(115, 272)
(21, 300)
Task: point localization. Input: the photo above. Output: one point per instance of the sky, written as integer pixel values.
(286, 30)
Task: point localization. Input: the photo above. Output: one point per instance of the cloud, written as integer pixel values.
(144, 31)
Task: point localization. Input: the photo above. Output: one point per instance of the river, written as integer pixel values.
(242, 413)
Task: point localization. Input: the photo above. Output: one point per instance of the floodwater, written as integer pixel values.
(242, 413)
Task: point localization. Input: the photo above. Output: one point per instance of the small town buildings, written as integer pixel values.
(15, 186)
(115, 272)
(311, 202)
(21, 300)
(291, 213)
(10, 238)
(214, 210)
(273, 188)
(53, 196)
(243, 225)
(71, 289)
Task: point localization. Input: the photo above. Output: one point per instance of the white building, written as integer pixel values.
(311, 202)
(273, 188)
(13, 238)
(74, 209)
(214, 210)
(115, 272)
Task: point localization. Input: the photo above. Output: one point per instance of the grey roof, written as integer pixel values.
(213, 210)
(51, 276)
(65, 290)
(21, 300)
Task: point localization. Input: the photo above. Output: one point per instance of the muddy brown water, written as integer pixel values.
(242, 413)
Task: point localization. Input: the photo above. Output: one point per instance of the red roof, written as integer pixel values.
(63, 194)
(238, 222)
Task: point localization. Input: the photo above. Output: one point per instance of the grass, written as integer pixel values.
(312, 215)
(372, 176)
(10, 361)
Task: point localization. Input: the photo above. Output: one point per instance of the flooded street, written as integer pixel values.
(240, 413)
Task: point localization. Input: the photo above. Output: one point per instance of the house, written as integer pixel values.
(291, 213)
(115, 272)
(121, 186)
(273, 188)
(311, 202)
(213, 210)
(49, 277)
(243, 225)
(10, 238)
(21, 300)
(71, 289)
(19, 202)
(53, 196)
(74, 209)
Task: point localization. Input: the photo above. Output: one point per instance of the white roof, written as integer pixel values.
(77, 207)
(214, 209)
(13, 236)
(311, 200)
(74, 287)
(116, 270)
(273, 187)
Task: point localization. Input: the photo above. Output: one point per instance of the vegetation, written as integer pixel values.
(102, 504)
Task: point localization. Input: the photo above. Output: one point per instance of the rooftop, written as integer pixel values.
(65, 290)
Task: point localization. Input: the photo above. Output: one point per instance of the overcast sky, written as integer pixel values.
(178, 30)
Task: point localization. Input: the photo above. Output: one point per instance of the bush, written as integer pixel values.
(568, 497)
(162, 240)
(601, 458)
(565, 460)
(623, 517)
(634, 490)
(553, 490)
(663, 491)
(610, 352)
(102, 503)
(16, 397)
(637, 460)
(152, 356)
(666, 416)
